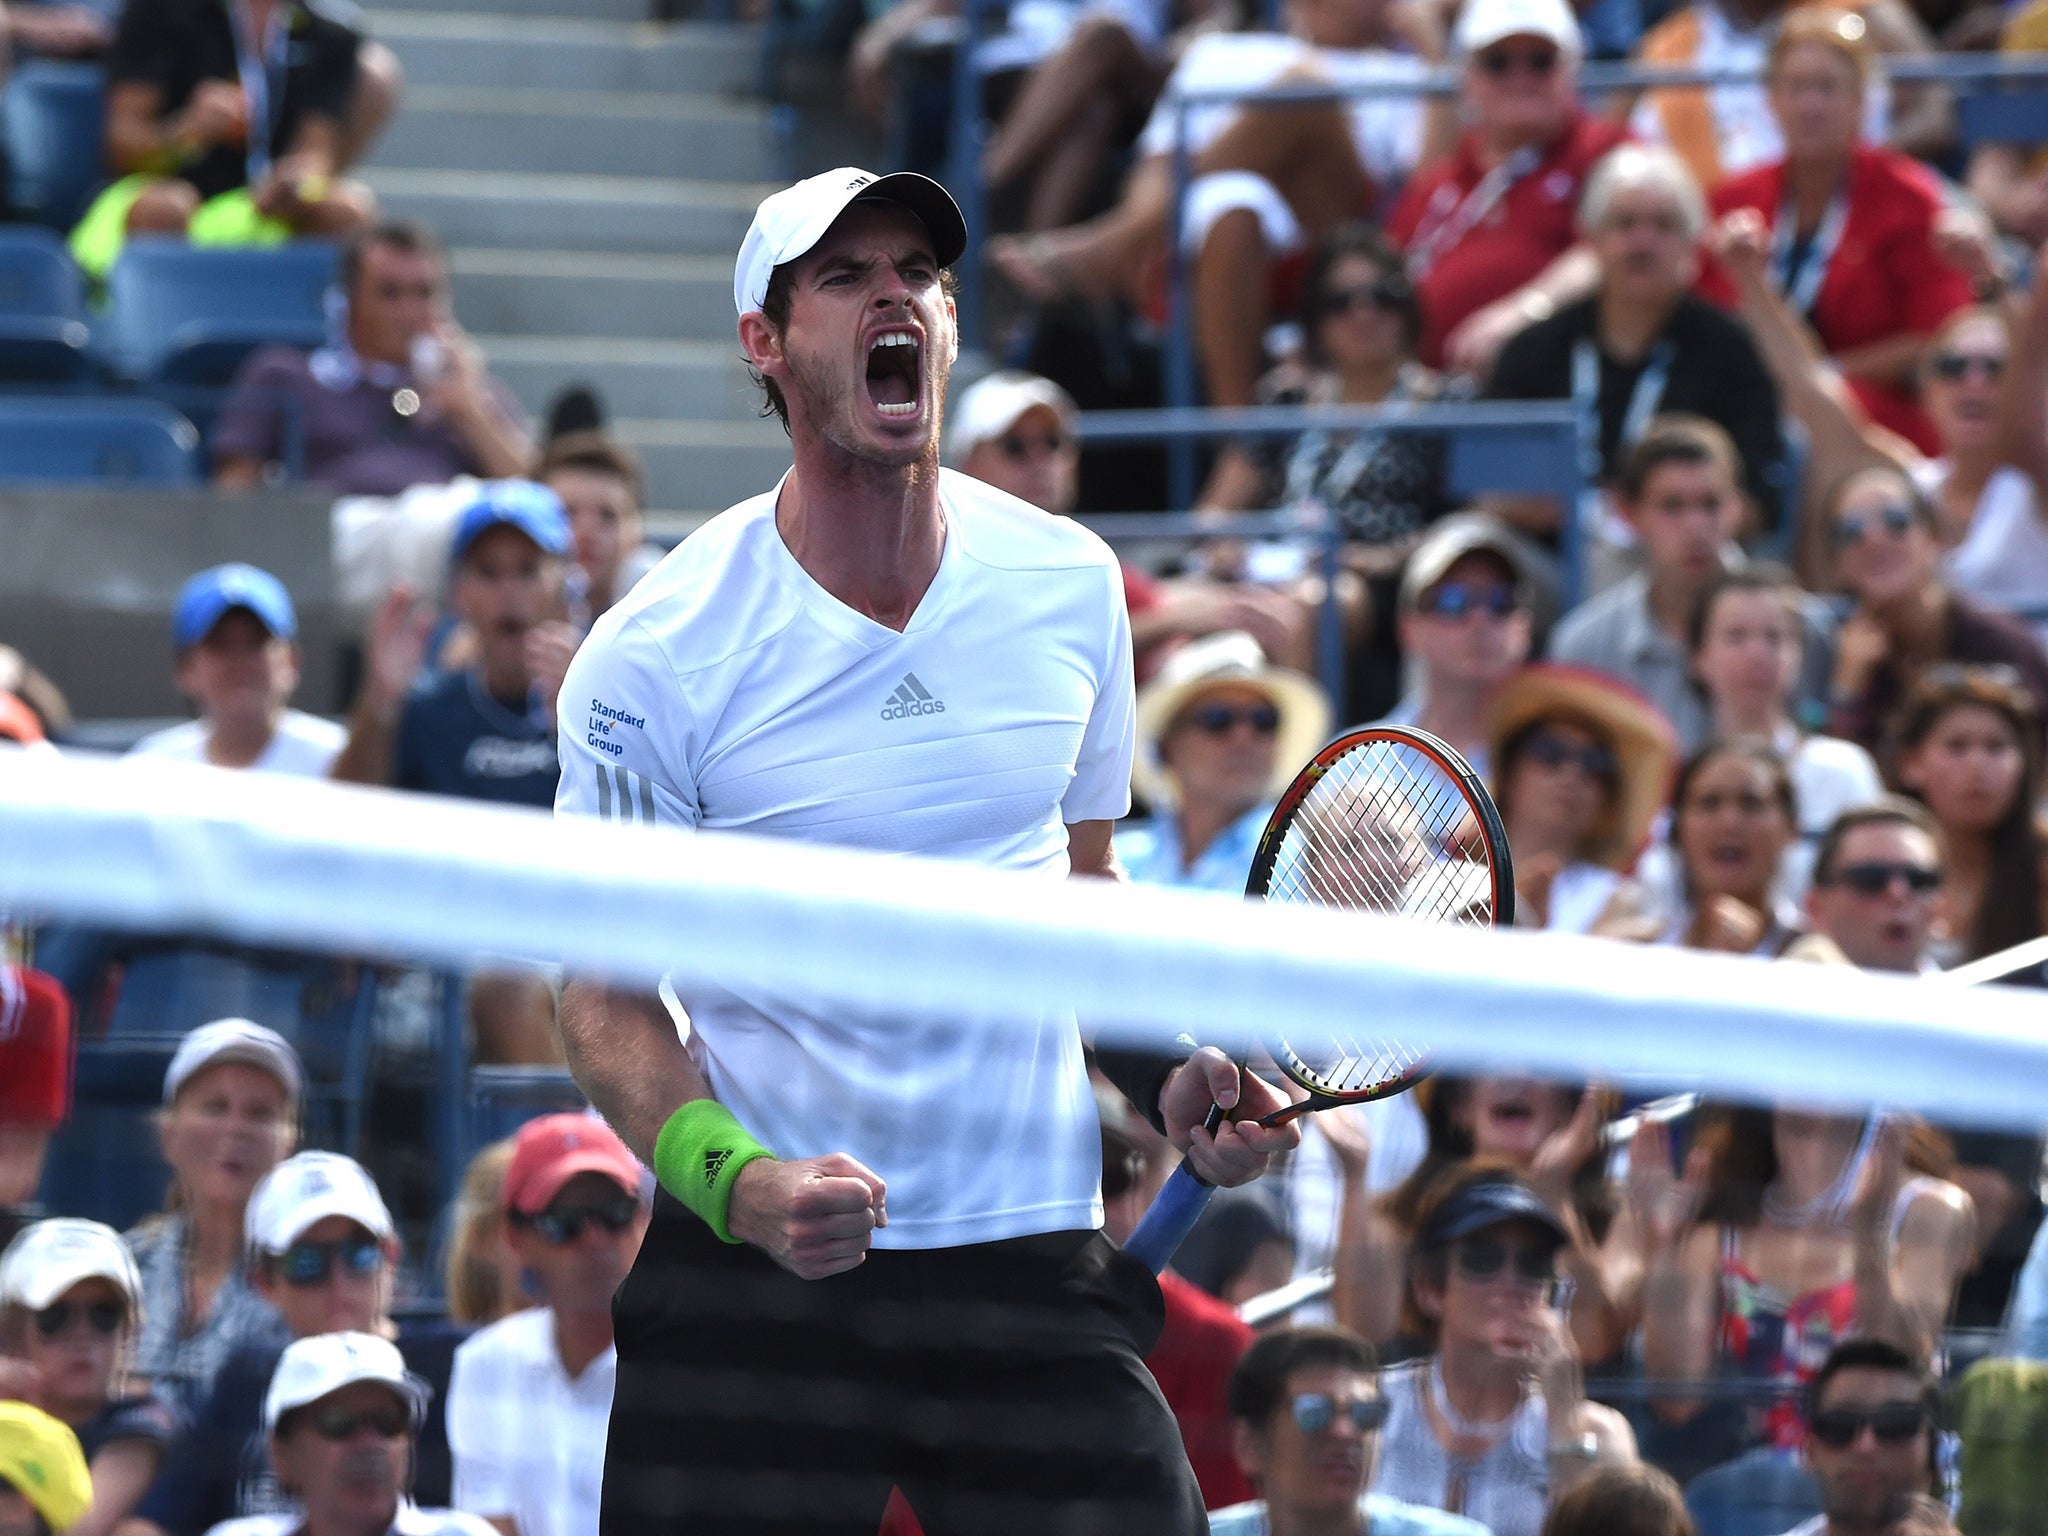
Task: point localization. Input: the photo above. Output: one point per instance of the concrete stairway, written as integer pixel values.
(592, 175)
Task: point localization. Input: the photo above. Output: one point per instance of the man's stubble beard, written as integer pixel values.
(833, 411)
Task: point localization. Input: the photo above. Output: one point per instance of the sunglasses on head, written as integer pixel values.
(105, 1318)
(1221, 719)
(1953, 366)
(1384, 293)
(1892, 1423)
(1895, 520)
(1501, 62)
(1017, 448)
(1875, 878)
(1555, 752)
(387, 1421)
(1315, 1412)
(1457, 599)
(307, 1264)
(1484, 1259)
(560, 1225)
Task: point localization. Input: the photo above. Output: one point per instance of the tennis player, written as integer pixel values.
(875, 1256)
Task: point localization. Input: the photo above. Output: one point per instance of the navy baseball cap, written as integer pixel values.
(533, 509)
(214, 592)
(1487, 1204)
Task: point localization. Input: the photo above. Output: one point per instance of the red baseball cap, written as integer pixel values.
(18, 722)
(553, 1149)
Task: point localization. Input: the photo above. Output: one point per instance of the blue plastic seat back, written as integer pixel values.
(502, 1099)
(105, 1162)
(95, 441)
(190, 315)
(51, 116)
(38, 279)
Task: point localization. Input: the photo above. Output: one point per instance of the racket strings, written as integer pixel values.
(1388, 829)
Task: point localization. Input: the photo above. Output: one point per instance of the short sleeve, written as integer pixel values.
(477, 1438)
(250, 423)
(619, 705)
(1101, 788)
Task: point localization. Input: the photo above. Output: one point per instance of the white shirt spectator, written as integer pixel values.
(304, 747)
(1400, 1140)
(528, 1440)
(411, 1521)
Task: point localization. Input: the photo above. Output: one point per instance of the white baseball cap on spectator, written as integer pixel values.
(309, 1188)
(239, 1040)
(788, 223)
(1483, 23)
(1229, 656)
(310, 1368)
(991, 406)
(1450, 540)
(49, 1257)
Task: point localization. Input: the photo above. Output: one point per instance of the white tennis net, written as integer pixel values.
(265, 860)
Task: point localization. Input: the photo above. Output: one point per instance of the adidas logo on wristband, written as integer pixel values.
(713, 1161)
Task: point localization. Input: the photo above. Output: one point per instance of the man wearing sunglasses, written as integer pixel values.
(322, 1251)
(1220, 734)
(340, 1417)
(1306, 1408)
(1870, 1442)
(532, 1395)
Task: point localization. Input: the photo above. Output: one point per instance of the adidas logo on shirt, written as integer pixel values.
(911, 698)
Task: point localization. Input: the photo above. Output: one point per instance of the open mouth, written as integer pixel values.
(895, 372)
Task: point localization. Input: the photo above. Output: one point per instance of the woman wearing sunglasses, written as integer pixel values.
(1493, 1421)
(1580, 764)
(1220, 733)
(1967, 744)
(1788, 1231)
(1852, 225)
(69, 1296)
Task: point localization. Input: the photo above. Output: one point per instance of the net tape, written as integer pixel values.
(299, 864)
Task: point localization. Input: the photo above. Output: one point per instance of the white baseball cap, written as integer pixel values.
(990, 406)
(310, 1368)
(791, 221)
(49, 1257)
(308, 1188)
(1485, 22)
(234, 1040)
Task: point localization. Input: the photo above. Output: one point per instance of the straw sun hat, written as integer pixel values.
(1231, 656)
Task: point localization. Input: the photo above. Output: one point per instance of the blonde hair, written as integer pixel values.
(474, 1292)
(1845, 32)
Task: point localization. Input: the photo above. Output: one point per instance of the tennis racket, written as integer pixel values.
(1390, 820)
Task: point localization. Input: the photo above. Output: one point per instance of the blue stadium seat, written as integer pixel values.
(50, 117)
(42, 310)
(501, 1099)
(88, 441)
(105, 1161)
(188, 317)
(1989, 115)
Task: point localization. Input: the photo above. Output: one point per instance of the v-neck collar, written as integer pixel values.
(849, 623)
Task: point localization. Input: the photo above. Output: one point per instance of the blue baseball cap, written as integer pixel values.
(533, 509)
(214, 592)
(1489, 1203)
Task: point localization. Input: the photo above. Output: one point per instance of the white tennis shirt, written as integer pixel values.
(730, 690)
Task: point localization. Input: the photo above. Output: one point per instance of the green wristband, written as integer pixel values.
(698, 1157)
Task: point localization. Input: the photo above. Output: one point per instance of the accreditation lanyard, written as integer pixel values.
(1643, 401)
(1441, 231)
(261, 63)
(1800, 282)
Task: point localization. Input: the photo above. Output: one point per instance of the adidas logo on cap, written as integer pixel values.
(911, 698)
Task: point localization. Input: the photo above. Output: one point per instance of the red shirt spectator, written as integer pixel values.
(1527, 227)
(35, 1075)
(1192, 1362)
(1885, 276)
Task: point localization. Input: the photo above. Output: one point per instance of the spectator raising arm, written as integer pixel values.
(394, 652)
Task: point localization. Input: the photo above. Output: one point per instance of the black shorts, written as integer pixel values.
(1001, 1386)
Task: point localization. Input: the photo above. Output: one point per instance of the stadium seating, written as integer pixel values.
(43, 335)
(501, 1099)
(188, 317)
(105, 1161)
(105, 441)
(2014, 116)
(50, 117)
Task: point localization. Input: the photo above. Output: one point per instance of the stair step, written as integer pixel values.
(707, 465)
(701, 380)
(463, 48)
(600, 10)
(589, 293)
(599, 133)
(596, 213)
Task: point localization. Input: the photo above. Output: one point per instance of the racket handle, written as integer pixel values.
(1173, 1214)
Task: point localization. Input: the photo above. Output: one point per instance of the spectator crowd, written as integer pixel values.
(1793, 704)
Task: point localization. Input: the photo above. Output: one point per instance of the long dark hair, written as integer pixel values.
(1365, 242)
(2009, 910)
(1742, 1160)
